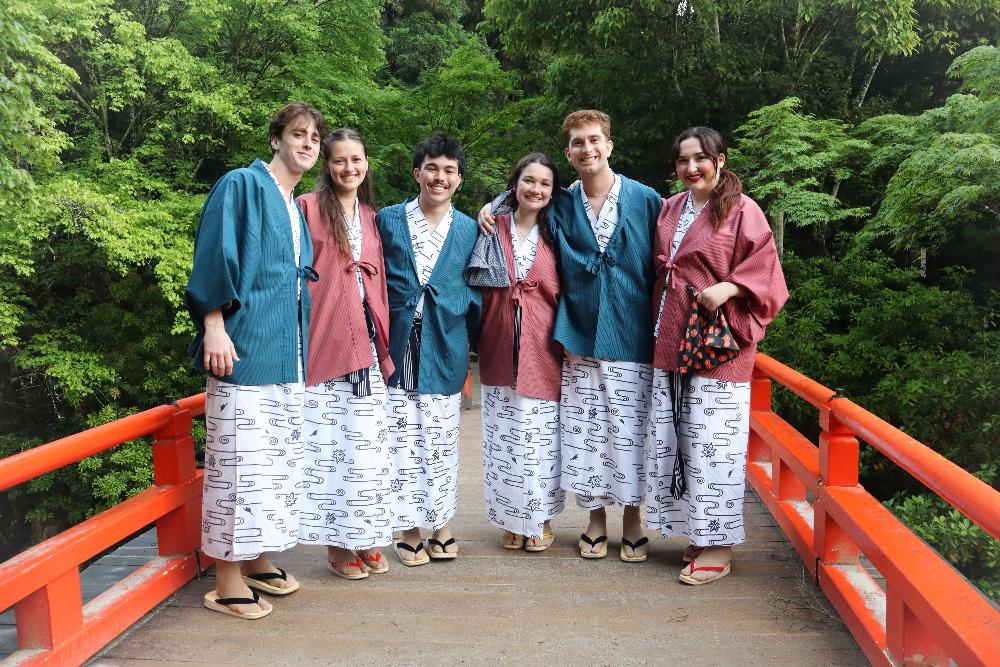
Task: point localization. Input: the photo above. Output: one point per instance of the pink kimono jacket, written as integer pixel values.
(742, 252)
(338, 335)
(539, 356)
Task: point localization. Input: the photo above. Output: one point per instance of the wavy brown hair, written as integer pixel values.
(543, 215)
(326, 194)
(728, 189)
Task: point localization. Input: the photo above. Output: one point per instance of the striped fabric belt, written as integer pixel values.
(410, 373)
(361, 385)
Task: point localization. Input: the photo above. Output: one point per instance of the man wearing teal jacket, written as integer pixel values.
(249, 303)
(604, 228)
(433, 319)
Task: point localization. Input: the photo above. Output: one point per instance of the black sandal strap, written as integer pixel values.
(594, 542)
(444, 545)
(407, 547)
(638, 543)
(228, 601)
(267, 576)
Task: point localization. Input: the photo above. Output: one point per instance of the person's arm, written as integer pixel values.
(486, 218)
(718, 294)
(219, 351)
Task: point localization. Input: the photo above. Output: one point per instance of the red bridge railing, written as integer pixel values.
(43, 583)
(928, 613)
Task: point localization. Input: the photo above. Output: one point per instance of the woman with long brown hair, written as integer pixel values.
(520, 366)
(345, 501)
(715, 254)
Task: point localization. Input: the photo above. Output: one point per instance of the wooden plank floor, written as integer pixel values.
(492, 605)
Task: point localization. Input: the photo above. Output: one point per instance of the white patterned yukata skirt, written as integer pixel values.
(714, 428)
(347, 471)
(253, 451)
(423, 443)
(604, 408)
(521, 464)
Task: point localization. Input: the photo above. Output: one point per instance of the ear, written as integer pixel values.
(611, 147)
(722, 160)
(416, 175)
(566, 153)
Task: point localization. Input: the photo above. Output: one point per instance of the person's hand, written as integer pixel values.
(220, 353)
(486, 220)
(716, 295)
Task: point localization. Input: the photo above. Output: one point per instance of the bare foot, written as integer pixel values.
(541, 543)
(442, 535)
(229, 584)
(632, 532)
(710, 557)
(412, 538)
(345, 563)
(262, 564)
(373, 560)
(597, 527)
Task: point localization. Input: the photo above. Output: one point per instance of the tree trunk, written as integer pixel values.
(779, 232)
(868, 82)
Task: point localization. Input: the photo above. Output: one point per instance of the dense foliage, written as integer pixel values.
(870, 132)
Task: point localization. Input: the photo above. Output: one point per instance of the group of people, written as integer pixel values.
(337, 339)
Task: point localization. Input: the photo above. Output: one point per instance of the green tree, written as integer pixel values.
(794, 164)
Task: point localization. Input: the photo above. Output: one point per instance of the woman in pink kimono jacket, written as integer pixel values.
(716, 240)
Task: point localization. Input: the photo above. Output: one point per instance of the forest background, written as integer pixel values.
(869, 131)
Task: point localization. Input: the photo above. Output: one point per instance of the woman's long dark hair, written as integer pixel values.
(326, 195)
(728, 189)
(543, 215)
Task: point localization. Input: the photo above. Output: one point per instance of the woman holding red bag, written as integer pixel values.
(715, 254)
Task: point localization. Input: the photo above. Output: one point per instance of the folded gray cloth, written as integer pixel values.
(487, 266)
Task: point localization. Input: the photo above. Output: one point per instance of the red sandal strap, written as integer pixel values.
(707, 568)
(351, 563)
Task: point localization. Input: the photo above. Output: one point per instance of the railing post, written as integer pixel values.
(838, 451)
(51, 615)
(908, 640)
(838, 466)
(760, 400)
(178, 532)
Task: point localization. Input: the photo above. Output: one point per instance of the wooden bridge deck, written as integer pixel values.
(492, 606)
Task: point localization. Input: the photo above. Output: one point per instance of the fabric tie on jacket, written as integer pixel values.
(414, 298)
(307, 272)
(598, 262)
(522, 287)
(368, 268)
(665, 266)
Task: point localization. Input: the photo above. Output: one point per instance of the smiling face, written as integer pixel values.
(589, 149)
(696, 169)
(298, 146)
(438, 178)
(534, 188)
(347, 165)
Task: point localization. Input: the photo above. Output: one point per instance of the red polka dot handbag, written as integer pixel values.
(707, 343)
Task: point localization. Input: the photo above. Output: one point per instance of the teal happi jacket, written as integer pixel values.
(605, 306)
(244, 262)
(451, 308)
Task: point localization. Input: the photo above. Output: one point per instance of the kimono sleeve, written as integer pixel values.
(222, 231)
(757, 270)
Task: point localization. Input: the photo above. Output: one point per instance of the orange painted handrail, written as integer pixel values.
(967, 493)
(43, 582)
(927, 612)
